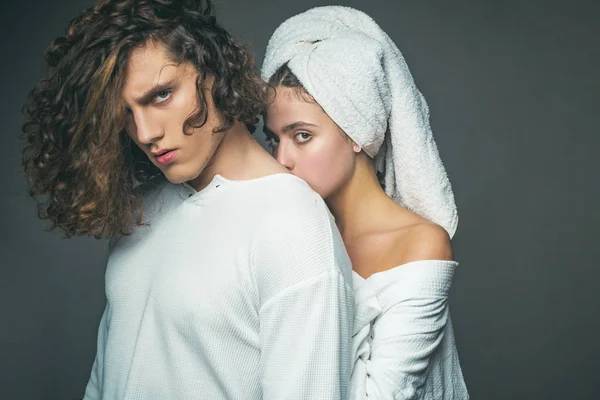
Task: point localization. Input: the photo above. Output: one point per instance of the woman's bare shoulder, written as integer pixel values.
(382, 251)
(425, 241)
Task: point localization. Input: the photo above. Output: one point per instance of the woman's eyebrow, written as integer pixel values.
(297, 124)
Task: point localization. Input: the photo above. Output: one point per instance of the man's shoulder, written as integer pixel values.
(297, 240)
(285, 197)
(285, 187)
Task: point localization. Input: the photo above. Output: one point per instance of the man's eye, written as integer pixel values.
(272, 141)
(163, 95)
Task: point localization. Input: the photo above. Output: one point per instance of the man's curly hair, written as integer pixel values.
(85, 171)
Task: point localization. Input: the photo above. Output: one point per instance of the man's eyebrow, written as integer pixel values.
(150, 94)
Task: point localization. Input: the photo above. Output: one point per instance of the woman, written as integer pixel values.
(345, 115)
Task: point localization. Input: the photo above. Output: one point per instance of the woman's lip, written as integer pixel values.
(166, 157)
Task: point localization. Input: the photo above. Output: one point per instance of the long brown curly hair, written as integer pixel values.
(86, 173)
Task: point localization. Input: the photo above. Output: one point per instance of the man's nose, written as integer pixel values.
(147, 130)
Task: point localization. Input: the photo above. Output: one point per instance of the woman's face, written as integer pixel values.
(307, 142)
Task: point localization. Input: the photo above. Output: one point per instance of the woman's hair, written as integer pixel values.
(77, 156)
(285, 77)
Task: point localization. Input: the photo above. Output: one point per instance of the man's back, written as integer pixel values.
(240, 275)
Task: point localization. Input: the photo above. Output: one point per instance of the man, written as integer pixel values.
(230, 280)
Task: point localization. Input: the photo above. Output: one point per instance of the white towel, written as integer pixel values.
(358, 76)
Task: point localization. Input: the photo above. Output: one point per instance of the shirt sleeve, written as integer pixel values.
(307, 306)
(393, 360)
(93, 390)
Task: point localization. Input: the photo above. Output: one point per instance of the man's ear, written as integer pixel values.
(206, 80)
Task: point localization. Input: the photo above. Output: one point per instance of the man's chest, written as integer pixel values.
(197, 277)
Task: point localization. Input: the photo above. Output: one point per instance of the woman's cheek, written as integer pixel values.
(320, 171)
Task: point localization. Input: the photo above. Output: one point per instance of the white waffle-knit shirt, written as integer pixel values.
(242, 290)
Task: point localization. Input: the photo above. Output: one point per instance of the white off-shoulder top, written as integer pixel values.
(403, 341)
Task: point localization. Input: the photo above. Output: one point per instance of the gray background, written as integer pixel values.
(513, 97)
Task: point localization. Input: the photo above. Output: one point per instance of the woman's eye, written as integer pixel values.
(272, 141)
(163, 95)
(303, 137)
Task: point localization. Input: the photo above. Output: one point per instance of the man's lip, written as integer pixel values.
(161, 152)
(166, 158)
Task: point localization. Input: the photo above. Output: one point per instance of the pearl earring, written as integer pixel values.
(356, 148)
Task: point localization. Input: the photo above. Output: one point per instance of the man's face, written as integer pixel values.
(160, 96)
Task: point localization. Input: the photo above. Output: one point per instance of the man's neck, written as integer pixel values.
(238, 157)
(229, 157)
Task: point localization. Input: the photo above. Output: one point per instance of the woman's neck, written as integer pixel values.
(361, 202)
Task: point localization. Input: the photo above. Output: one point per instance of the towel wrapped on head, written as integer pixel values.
(355, 72)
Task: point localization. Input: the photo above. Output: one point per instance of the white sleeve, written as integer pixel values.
(93, 390)
(305, 336)
(307, 307)
(394, 359)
